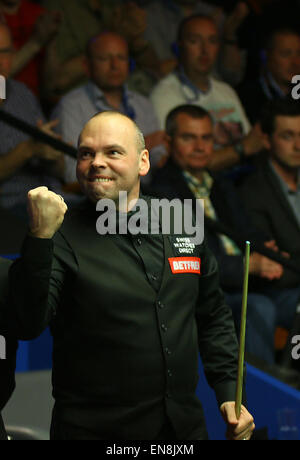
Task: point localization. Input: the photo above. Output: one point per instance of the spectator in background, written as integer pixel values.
(272, 193)
(190, 142)
(23, 161)
(82, 20)
(282, 62)
(262, 18)
(192, 83)
(172, 12)
(32, 28)
(107, 65)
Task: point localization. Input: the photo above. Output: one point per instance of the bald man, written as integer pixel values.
(107, 65)
(127, 325)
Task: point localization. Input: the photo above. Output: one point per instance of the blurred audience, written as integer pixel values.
(107, 65)
(192, 83)
(159, 13)
(263, 16)
(282, 62)
(24, 163)
(190, 139)
(32, 28)
(82, 20)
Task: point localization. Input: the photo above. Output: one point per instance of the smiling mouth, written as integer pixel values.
(100, 179)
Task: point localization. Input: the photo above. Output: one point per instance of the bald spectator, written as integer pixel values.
(82, 20)
(172, 12)
(192, 83)
(108, 67)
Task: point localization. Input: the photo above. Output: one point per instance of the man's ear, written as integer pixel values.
(144, 163)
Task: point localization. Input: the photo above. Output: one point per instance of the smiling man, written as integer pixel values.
(108, 164)
(107, 66)
(127, 328)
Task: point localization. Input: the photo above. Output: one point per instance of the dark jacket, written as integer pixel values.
(272, 213)
(126, 328)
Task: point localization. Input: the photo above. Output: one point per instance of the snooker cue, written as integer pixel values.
(239, 382)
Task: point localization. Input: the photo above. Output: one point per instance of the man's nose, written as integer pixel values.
(114, 62)
(99, 161)
(199, 145)
(203, 46)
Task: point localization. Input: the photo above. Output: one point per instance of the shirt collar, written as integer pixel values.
(270, 87)
(97, 95)
(205, 184)
(191, 91)
(282, 182)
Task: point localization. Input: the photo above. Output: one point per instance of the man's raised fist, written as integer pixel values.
(46, 212)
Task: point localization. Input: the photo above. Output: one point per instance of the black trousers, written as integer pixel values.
(62, 431)
(3, 435)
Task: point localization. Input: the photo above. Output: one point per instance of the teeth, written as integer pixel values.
(102, 180)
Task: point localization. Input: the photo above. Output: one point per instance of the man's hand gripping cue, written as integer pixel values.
(46, 212)
(237, 429)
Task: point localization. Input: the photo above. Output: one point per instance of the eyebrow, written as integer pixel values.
(288, 131)
(115, 147)
(105, 148)
(197, 35)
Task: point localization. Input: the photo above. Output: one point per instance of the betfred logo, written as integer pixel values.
(185, 264)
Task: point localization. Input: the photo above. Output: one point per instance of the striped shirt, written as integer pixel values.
(21, 103)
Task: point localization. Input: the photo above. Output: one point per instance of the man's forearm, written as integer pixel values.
(29, 287)
(15, 159)
(223, 158)
(60, 76)
(24, 55)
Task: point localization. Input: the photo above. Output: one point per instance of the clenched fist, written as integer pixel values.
(46, 212)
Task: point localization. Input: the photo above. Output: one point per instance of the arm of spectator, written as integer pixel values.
(130, 21)
(231, 62)
(45, 29)
(227, 156)
(58, 77)
(52, 158)
(15, 159)
(154, 139)
(264, 267)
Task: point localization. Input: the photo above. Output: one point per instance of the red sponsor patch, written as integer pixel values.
(185, 264)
